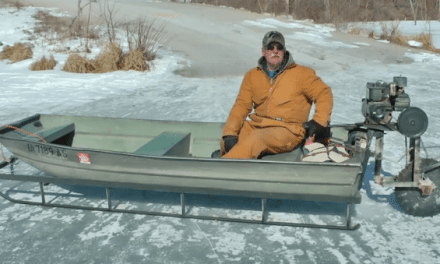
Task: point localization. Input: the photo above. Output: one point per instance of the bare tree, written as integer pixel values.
(88, 23)
(413, 11)
(109, 13)
(262, 5)
(77, 19)
(142, 36)
(296, 6)
(78, 16)
(265, 4)
(327, 10)
(425, 15)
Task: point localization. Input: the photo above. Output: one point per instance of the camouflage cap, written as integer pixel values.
(273, 36)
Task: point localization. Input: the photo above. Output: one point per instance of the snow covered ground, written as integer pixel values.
(345, 63)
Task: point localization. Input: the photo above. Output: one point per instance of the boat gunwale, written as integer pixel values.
(330, 164)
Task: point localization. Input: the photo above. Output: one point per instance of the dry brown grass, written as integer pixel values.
(426, 40)
(399, 39)
(43, 64)
(393, 33)
(385, 31)
(47, 23)
(134, 60)
(110, 59)
(58, 29)
(78, 64)
(355, 31)
(16, 53)
(107, 60)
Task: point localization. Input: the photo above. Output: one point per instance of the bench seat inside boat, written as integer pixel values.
(52, 135)
(167, 144)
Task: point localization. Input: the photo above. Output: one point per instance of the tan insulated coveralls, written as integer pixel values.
(281, 105)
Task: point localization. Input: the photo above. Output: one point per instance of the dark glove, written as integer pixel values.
(311, 128)
(229, 142)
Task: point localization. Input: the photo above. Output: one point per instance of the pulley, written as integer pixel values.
(412, 122)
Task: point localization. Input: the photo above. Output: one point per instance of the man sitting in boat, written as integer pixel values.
(281, 94)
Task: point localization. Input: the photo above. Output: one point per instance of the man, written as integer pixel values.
(281, 94)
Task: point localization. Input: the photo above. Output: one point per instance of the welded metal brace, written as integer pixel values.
(42, 180)
(425, 185)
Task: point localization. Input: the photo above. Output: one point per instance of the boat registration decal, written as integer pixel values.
(83, 158)
(49, 151)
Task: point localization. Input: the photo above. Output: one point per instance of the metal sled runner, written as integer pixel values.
(185, 213)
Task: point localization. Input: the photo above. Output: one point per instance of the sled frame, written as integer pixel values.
(108, 185)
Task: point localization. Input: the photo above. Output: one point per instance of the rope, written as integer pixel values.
(330, 148)
(22, 131)
(346, 147)
(25, 132)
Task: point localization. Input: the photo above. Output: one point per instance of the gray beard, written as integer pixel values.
(272, 67)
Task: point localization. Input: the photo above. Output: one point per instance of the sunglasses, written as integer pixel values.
(271, 46)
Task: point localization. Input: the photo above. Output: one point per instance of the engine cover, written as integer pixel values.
(377, 112)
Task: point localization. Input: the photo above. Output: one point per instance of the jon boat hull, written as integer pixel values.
(103, 149)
